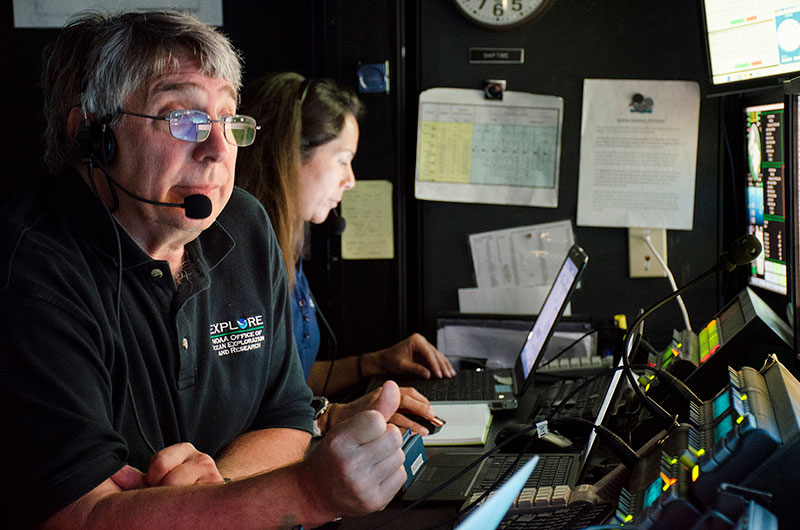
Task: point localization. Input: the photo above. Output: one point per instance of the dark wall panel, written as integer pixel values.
(574, 41)
(365, 299)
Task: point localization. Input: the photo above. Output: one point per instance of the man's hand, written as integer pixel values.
(177, 465)
(181, 464)
(129, 478)
(413, 355)
(358, 467)
(410, 399)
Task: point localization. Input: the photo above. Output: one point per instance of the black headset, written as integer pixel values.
(96, 139)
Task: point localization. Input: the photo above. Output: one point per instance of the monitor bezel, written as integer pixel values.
(770, 82)
(792, 168)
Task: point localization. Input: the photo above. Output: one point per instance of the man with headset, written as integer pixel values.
(146, 326)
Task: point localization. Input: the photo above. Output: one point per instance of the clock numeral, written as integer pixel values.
(501, 14)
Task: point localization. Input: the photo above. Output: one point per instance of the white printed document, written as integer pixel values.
(638, 153)
(514, 268)
(524, 256)
(56, 13)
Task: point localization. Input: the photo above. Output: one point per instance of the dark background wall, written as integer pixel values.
(374, 303)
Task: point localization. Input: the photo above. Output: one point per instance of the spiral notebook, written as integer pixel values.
(467, 424)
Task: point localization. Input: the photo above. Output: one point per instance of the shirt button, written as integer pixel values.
(301, 302)
(185, 343)
(306, 317)
(306, 335)
(156, 273)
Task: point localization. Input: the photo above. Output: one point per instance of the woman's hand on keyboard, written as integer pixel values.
(414, 355)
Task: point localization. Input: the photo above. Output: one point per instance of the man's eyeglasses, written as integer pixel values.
(195, 126)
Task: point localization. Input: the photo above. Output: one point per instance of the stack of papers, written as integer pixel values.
(467, 424)
(514, 268)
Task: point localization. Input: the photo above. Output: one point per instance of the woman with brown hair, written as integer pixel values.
(299, 167)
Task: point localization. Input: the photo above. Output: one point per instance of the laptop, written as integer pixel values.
(554, 469)
(601, 415)
(501, 387)
(489, 514)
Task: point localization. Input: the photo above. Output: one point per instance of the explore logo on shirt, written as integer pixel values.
(235, 336)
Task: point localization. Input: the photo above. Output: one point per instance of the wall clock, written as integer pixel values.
(502, 14)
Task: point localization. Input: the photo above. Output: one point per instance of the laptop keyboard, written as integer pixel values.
(546, 502)
(569, 517)
(552, 470)
(584, 404)
(466, 385)
(576, 366)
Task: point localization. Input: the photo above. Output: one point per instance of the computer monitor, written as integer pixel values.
(751, 44)
(766, 194)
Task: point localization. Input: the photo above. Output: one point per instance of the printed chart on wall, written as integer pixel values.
(56, 13)
(473, 149)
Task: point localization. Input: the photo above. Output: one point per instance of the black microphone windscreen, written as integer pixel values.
(335, 223)
(197, 206)
(741, 252)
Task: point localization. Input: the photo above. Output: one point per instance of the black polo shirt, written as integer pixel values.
(206, 362)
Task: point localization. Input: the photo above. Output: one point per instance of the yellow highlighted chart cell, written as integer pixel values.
(445, 151)
(470, 149)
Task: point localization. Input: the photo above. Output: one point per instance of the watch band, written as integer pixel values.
(320, 405)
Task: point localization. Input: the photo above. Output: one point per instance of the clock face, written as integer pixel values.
(502, 14)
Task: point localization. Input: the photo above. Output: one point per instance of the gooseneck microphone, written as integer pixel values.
(196, 206)
(741, 252)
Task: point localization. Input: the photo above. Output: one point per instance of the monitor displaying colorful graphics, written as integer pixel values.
(751, 44)
(767, 194)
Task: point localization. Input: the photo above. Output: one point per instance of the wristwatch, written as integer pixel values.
(320, 404)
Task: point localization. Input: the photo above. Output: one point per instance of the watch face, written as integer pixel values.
(502, 14)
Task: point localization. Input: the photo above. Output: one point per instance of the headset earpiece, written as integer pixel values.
(96, 140)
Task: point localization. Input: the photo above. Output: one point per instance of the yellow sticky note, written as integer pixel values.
(367, 208)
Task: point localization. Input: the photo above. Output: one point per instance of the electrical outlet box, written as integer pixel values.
(641, 261)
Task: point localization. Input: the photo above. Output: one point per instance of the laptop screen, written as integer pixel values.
(489, 514)
(552, 309)
(601, 414)
(548, 315)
